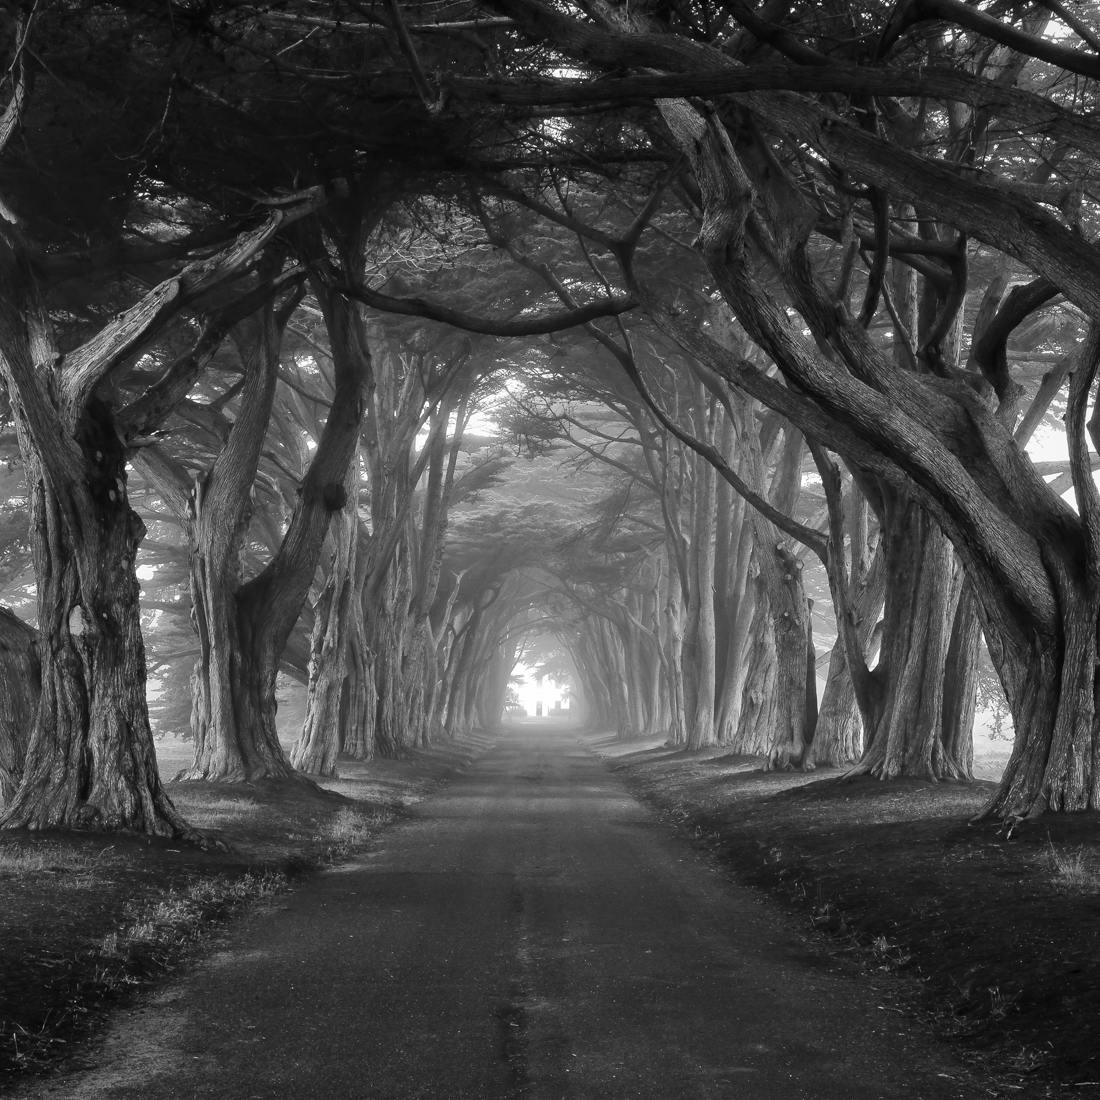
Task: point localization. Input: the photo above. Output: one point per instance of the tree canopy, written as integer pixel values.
(797, 286)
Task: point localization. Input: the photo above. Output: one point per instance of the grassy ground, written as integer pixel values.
(86, 918)
(1000, 936)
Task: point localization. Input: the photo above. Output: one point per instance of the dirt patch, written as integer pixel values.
(1001, 935)
(87, 918)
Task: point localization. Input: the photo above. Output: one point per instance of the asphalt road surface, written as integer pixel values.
(532, 931)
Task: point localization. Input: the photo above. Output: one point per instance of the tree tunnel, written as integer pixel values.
(762, 409)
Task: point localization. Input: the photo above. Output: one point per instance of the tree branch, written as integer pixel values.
(910, 12)
(431, 99)
(168, 478)
(146, 413)
(799, 532)
(82, 369)
(533, 326)
(720, 76)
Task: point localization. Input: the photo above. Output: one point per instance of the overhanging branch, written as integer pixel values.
(516, 326)
(1025, 108)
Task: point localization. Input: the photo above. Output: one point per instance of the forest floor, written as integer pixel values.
(996, 938)
(86, 920)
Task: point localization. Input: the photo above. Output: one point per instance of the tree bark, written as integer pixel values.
(674, 660)
(755, 734)
(781, 572)
(737, 612)
(90, 761)
(20, 687)
(318, 744)
(701, 654)
(907, 737)
(422, 673)
(960, 689)
(268, 605)
(840, 734)
(386, 636)
(234, 739)
(362, 699)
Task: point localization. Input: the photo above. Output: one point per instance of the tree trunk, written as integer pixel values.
(386, 647)
(701, 728)
(232, 686)
(240, 740)
(318, 744)
(461, 655)
(359, 714)
(597, 697)
(907, 736)
(20, 687)
(362, 698)
(414, 673)
(738, 613)
(90, 763)
(781, 572)
(617, 682)
(960, 689)
(1057, 767)
(674, 661)
(422, 674)
(504, 661)
(756, 728)
(840, 737)
(649, 676)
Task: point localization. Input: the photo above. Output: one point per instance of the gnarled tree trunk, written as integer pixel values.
(907, 735)
(234, 739)
(20, 687)
(756, 726)
(90, 761)
(267, 606)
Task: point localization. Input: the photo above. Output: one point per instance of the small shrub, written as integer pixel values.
(349, 827)
(890, 955)
(1071, 869)
(346, 827)
(999, 1003)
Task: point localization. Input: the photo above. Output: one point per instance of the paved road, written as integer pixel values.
(531, 932)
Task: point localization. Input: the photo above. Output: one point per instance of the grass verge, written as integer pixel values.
(1001, 937)
(86, 919)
